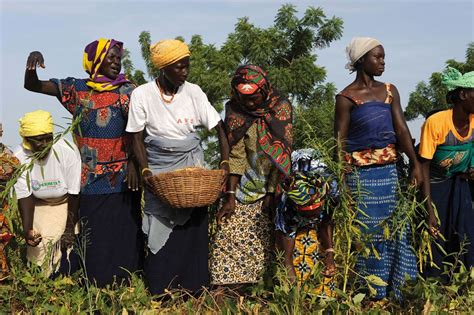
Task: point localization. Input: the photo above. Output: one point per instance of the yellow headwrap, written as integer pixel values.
(94, 55)
(35, 123)
(168, 51)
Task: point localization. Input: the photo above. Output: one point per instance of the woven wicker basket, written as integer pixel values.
(188, 187)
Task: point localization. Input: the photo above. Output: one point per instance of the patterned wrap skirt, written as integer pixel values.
(306, 256)
(375, 189)
(242, 247)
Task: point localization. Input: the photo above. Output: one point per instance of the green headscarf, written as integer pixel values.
(453, 79)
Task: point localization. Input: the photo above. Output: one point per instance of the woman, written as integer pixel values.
(304, 215)
(447, 155)
(48, 193)
(8, 165)
(371, 129)
(108, 177)
(259, 129)
(169, 110)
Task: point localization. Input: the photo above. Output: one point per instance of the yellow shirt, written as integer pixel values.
(439, 129)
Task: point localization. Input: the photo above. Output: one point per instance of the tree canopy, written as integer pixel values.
(432, 95)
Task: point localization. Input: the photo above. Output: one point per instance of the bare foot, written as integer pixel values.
(330, 269)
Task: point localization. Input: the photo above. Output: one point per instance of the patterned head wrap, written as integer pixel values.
(453, 79)
(274, 118)
(168, 51)
(35, 123)
(357, 48)
(311, 184)
(248, 79)
(94, 55)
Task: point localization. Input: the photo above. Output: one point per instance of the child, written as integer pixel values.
(301, 212)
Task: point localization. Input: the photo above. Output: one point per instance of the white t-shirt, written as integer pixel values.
(189, 109)
(62, 173)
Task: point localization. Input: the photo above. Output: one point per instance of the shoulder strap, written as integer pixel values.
(389, 97)
(349, 96)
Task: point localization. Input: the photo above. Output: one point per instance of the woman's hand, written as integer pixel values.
(417, 175)
(146, 175)
(433, 225)
(32, 238)
(224, 165)
(133, 180)
(471, 174)
(227, 209)
(34, 60)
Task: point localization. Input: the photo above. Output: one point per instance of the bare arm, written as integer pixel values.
(342, 119)
(228, 207)
(67, 239)
(140, 156)
(404, 137)
(32, 82)
(27, 213)
(223, 145)
(426, 189)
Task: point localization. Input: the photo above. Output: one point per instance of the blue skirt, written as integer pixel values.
(375, 189)
(453, 201)
(112, 227)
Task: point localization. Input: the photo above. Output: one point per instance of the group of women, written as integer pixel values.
(126, 134)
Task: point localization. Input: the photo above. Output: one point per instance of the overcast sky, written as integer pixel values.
(418, 36)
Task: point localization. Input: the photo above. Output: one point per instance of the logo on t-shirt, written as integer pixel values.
(46, 185)
(185, 121)
(35, 185)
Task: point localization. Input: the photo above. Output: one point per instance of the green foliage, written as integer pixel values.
(431, 96)
(137, 77)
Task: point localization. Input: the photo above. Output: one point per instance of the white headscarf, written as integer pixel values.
(357, 48)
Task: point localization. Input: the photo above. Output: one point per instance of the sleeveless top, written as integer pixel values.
(371, 137)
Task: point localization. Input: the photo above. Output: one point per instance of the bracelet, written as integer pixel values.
(223, 161)
(232, 192)
(329, 250)
(145, 169)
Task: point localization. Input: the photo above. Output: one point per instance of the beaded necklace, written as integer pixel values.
(162, 94)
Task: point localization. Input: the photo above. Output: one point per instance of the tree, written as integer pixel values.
(431, 96)
(285, 50)
(135, 76)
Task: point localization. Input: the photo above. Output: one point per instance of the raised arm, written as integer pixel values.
(32, 82)
(404, 139)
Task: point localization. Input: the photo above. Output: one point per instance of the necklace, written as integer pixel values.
(162, 94)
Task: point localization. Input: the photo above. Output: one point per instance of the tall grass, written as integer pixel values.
(27, 290)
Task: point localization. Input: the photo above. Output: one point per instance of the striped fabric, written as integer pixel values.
(375, 191)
